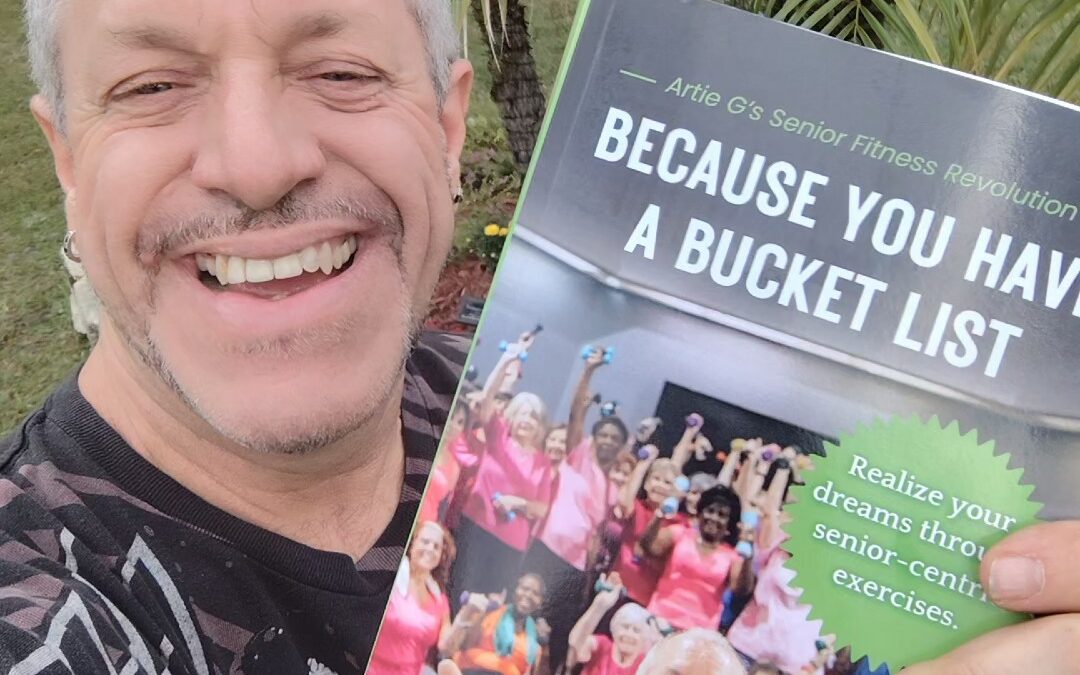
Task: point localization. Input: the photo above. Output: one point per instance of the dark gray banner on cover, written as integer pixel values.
(906, 215)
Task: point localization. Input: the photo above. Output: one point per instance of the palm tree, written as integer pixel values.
(515, 85)
(1033, 44)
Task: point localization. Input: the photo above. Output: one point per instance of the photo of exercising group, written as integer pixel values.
(593, 545)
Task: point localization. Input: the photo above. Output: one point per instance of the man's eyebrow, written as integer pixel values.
(155, 38)
(313, 26)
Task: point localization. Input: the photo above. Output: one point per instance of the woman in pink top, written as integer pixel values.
(513, 475)
(774, 626)
(639, 572)
(632, 634)
(418, 614)
(447, 469)
(699, 564)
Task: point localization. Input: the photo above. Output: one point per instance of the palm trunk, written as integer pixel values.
(515, 86)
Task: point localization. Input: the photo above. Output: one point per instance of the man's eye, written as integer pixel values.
(151, 88)
(345, 76)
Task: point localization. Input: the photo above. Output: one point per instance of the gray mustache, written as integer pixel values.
(162, 236)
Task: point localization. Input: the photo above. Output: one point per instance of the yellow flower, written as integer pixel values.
(504, 231)
(491, 230)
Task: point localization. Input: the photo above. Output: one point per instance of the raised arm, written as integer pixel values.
(582, 632)
(657, 541)
(464, 632)
(628, 492)
(498, 374)
(742, 576)
(575, 430)
(727, 472)
(681, 454)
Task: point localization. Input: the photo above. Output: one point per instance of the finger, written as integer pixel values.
(1048, 646)
(1034, 570)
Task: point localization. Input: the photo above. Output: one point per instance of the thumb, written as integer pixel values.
(1034, 570)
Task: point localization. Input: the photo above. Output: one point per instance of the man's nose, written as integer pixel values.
(254, 147)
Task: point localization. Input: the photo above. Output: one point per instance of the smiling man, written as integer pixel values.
(261, 193)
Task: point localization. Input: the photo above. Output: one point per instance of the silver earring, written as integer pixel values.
(70, 251)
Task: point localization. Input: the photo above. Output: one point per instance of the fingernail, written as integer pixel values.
(1016, 578)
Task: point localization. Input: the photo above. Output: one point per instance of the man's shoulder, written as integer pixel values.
(451, 348)
(438, 360)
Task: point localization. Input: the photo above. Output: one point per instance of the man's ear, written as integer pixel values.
(61, 151)
(455, 114)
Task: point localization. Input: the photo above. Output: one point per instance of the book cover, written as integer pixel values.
(784, 339)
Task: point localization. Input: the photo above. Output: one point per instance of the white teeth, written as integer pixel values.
(221, 269)
(236, 270)
(258, 271)
(309, 259)
(326, 257)
(287, 267)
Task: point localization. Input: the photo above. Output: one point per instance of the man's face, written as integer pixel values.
(260, 192)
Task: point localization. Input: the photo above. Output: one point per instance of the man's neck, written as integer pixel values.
(337, 498)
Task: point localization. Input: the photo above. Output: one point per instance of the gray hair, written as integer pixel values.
(434, 17)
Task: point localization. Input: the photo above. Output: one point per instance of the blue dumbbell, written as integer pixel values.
(609, 353)
(642, 454)
(600, 587)
(682, 484)
(745, 549)
(491, 606)
(609, 409)
(751, 518)
(670, 506)
(510, 515)
(821, 645)
(471, 374)
(504, 345)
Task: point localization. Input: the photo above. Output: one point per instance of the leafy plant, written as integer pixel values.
(1034, 44)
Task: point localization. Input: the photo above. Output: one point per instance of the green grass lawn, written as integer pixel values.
(37, 344)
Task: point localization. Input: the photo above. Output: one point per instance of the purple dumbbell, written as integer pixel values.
(491, 606)
(694, 420)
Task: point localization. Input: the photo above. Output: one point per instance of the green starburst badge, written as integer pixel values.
(888, 532)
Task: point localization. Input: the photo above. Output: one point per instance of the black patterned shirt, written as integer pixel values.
(108, 565)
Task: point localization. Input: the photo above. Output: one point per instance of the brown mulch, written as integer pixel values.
(460, 278)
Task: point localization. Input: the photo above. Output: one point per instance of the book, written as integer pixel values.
(784, 339)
